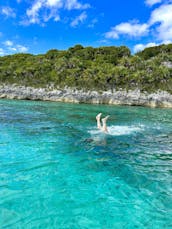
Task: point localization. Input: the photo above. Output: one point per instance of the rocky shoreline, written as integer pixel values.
(120, 97)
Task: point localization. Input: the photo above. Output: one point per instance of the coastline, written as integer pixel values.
(160, 99)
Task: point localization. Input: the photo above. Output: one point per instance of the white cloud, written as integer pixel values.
(162, 18)
(74, 4)
(33, 12)
(43, 10)
(133, 29)
(54, 3)
(14, 48)
(48, 15)
(8, 43)
(166, 42)
(152, 2)
(80, 19)
(140, 47)
(57, 18)
(21, 48)
(2, 52)
(159, 26)
(8, 12)
(93, 22)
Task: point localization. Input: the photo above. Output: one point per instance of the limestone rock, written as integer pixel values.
(122, 97)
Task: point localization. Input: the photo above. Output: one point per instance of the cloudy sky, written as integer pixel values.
(35, 26)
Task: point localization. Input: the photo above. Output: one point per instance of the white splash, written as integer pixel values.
(119, 130)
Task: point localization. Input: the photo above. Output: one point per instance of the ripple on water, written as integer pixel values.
(58, 171)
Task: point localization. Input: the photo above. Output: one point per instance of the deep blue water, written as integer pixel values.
(58, 171)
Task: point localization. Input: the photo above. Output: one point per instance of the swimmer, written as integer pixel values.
(104, 126)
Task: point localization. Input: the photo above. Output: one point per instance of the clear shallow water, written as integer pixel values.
(58, 171)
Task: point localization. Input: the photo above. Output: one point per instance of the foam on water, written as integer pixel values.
(117, 130)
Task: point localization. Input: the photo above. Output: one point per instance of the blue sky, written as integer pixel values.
(36, 26)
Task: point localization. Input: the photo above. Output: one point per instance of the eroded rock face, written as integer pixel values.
(121, 97)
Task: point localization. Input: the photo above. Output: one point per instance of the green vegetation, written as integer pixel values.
(90, 68)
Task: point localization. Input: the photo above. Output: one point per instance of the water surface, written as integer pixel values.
(58, 171)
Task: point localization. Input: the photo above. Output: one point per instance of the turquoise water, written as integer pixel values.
(58, 171)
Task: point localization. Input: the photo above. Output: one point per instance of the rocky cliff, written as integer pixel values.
(122, 97)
